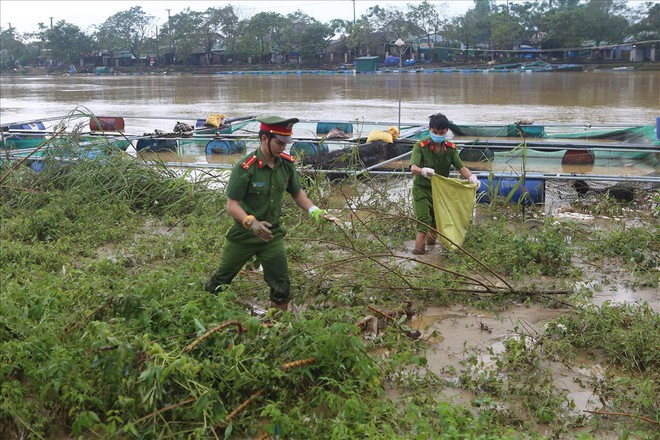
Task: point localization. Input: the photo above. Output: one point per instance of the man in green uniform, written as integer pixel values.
(430, 156)
(254, 199)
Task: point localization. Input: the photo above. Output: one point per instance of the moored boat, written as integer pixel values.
(320, 142)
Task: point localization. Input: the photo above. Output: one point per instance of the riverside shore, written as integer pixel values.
(208, 70)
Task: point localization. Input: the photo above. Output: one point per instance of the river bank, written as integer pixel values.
(242, 67)
(539, 326)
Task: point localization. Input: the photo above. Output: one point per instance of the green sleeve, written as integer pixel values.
(237, 185)
(416, 156)
(294, 181)
(456, 159)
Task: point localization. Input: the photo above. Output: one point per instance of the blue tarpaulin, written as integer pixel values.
(391, 61)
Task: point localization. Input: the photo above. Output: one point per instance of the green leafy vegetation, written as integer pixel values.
(106, 330)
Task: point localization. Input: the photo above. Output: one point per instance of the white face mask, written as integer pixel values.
(437, 138)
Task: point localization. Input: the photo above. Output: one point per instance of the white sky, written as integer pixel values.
(25, 15)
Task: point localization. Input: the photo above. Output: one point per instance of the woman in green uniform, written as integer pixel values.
(430, 156)
(254, 200)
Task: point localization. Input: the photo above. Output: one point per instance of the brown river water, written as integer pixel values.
(605, 97)
(149, 102)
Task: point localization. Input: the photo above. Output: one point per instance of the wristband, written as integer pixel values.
(312, 209)
(247, 221)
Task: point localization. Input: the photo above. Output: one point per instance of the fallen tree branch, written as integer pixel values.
(167, 408)
(211, 332)
(242, 406)
(381, 313)
(298, 363)
(608, 413)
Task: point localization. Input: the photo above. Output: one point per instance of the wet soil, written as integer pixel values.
(458, 333)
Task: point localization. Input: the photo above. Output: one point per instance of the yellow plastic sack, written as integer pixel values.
(453, 204)
(377, 135)
(214, 120)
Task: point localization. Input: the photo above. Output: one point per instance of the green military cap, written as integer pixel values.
(282, 128)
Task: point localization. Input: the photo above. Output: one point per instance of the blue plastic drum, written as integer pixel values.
(308, 149)
(225, 146)
(530, 191)
(156, 145)
(325, 127)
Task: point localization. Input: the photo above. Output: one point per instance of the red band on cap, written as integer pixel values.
(277, 129)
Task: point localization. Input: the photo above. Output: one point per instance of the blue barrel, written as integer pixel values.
(531, 191)
(308, 149)
(325, 127)
(37, 125)
(225, 146)
(156, 145)
(657, 128)
(37, 165)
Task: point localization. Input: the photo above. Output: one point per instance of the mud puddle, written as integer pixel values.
(467, 341)
(458, 335)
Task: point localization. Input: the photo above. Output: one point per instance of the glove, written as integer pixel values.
(473, 179)
(428, 172)
(261, 230)
(318, 214)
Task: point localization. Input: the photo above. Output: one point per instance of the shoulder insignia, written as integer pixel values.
(424, 143)
(450, 144)
(249, 162)
(287, 157)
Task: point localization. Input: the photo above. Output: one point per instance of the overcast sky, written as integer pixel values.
(25, 15)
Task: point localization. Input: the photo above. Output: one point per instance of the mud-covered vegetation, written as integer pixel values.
(106, 330)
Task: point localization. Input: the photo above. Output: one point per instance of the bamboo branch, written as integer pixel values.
(381, 313)
(242, 406)
(212, 332)
(608, 413)
(298, 363)
(167, 408)
(475, 259)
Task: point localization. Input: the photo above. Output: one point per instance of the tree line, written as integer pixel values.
(191, 37)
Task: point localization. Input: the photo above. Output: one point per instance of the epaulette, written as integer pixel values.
(450, 144)
(287, 157)
(424, 143)
(249, 162)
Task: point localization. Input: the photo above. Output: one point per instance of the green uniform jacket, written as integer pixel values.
(259, 189)
(440, 157)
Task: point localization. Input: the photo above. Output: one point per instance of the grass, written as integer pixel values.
(106, 331)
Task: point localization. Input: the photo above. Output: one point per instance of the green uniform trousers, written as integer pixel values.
(272, 257)
(423, 207)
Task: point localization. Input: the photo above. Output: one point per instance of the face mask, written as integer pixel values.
(437, 138)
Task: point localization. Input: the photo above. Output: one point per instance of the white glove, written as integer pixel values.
(428, 172)
(473, 179)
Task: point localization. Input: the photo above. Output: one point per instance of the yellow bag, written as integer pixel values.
(453, 204)
(380, 136)
(214, 120)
